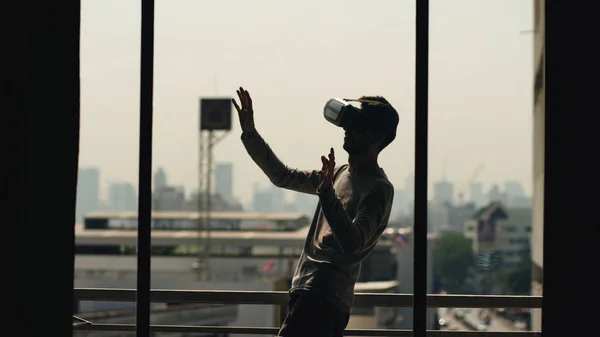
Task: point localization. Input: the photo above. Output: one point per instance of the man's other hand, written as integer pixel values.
(327, 172)
(245, 113)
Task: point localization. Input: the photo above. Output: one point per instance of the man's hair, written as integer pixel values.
(382, 116)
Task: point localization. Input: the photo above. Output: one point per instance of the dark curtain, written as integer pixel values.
(40, 114)
(572, 189)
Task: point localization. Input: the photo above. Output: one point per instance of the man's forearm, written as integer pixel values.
(278, 173)
(347, 233)
(354, 234)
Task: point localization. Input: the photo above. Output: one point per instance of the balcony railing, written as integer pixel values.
(281, 298)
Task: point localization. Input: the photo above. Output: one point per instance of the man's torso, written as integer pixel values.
(323, 266)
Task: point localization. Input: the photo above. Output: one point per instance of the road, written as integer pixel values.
(496, 323)
(453, 323)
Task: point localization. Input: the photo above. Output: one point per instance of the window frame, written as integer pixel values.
(144, 229)
(145, 169)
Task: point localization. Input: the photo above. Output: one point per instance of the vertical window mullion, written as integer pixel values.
(421, 149)
(145, 171)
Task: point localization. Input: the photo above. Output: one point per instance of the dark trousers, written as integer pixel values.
(312, 315)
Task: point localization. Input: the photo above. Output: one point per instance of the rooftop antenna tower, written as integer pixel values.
(215, 124)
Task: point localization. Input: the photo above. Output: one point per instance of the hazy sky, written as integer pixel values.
(294, 55)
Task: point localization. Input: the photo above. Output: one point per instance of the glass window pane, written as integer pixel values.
(483, 202)
(108, 155)
(292, 59)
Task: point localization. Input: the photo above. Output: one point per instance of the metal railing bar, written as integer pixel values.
(81, 321)
(274, 331)
(281, 297)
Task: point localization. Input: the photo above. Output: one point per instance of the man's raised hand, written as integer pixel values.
(245, 113)
(327, 172)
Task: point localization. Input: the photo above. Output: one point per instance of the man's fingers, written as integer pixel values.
(240, 94)
(244, 98)
(237, 107)
(331, 160)
(249, 101)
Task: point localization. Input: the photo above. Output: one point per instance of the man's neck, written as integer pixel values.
(364, 162)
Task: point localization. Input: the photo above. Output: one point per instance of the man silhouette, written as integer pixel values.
(354, 207)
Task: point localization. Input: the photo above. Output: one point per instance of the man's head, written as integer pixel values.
(379, 130)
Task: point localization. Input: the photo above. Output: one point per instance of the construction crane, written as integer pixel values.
(464, 186)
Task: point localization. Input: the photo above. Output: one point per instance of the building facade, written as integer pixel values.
(539, 116)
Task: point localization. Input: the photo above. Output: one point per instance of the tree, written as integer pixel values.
(452, 260)
(519, 280)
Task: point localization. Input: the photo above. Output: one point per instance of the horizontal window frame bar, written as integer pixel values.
(282, 297)
(274, 331)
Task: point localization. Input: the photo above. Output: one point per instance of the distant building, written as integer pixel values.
(262, 201)
(305, 203)
(405, 272)
(458, 215)
(217, 203)
(494, 194)
(500, 234)
(519, 202)
(400, 205)
(513, 189)
(160, 179)
(437, 216)
(476, 194)
(443, 192)
(88, 192)
(122, 197)
(270, 199)
(448, 218)
(224, 181)
(168, 198)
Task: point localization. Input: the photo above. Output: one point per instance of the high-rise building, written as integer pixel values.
(513, 189)
(122, 197)
(278, 198)
(400, 204)
(476, 194)
(515, 195)
(88, 192)
(160, 179)
(262, 201)
(89, 180)
(409, 186)
(305, 203)
(437, 216)
(494, 194)
(224, 181)
(168, 198)
(443, 192)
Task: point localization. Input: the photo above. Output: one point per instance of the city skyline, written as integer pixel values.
(448, 193)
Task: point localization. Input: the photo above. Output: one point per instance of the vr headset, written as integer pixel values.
(341, 113)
